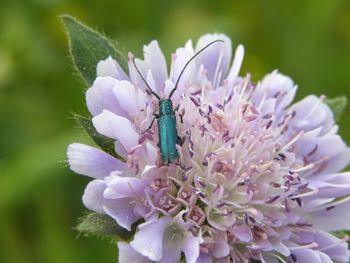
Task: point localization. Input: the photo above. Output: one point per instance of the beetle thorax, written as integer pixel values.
(165, 107)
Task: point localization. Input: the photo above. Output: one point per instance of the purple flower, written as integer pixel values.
(257, 177)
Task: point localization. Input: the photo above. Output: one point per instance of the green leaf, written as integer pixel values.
(337, 105)
(106, 144)
(88, 47)
(102, 225)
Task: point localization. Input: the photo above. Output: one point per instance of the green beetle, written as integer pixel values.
(167, 130)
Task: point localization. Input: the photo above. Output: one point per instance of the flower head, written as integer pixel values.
(257, 177)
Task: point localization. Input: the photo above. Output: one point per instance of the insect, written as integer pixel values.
(167, 130)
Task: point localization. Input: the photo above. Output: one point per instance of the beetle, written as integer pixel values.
(167, 130)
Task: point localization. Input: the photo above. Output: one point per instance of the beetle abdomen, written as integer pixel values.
(167, 138)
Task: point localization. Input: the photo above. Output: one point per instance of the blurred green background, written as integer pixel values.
(40, 199)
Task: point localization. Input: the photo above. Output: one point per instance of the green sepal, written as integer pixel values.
(103, 225)
(105, 143)
(341, 234)
(88, 47)
(337, 105)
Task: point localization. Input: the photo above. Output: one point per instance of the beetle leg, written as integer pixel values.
(156, 113)
(150, 126)
(179, 141)
(180, 114)
(178, 162)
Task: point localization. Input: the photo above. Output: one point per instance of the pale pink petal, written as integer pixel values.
(191, 248)
(286, 99)
(312, 113)
(152, 83)
(334, 157)
(337, 162)
(155, 61)
(312, 202)
(204, 258)
(180, 58)
(134, 75)
(280, 247)
(120, 187)
(236, 66)
(307, 256)
(325, 258)
(148, 239)
(331, 218)
(216, 58)
(151, 153)
(126, 254)
(131, 99)
(111, 68)
(331, 185)
(101, 97)
(274, 85)
(87, 160)
(120, 149)
(93, 196)
(122, 210)
(243, 233)
(171, 253)
(221, 249)
(335, 248)
(168, 87)
(116, 127)
(306, 146)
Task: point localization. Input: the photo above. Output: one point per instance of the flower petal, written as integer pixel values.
(204, 258)
(331, 185)
(122, 210)
(325, 258)
(111, 68)
(236, 66)
(155, 61)
(335, 248)
(319, 147)
(93, 196)
(148, 240)
(221, 249)
(131, 99)
(87, 160)
(276, 86)
(243, 233)
(215, 58)
(116, 127)
(331, 218)
(338, 162)
(121, 187)
(307, 255)
(180, 58)
(280, 247)
(127, 254)
(171, 253)
(312, 113)
(101, 97)
(191, 248)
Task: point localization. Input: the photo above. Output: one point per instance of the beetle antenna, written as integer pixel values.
(188, 62)
(148, 86)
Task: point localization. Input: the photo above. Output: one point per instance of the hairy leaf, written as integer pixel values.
(337, 105)
(88, 47)
(106, 144)
(102, 225)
